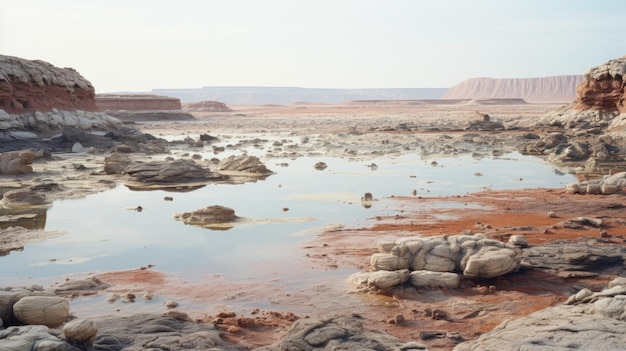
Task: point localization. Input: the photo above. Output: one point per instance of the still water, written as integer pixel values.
(103, 233)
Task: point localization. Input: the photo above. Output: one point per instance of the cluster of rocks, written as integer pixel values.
(587, 321)
(561, 148)
(440, 261)
(607, 185)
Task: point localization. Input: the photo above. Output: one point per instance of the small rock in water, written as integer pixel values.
(320, 166)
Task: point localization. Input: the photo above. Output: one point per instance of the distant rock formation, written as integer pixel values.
(207, 106)
(142, 107)
(136, 102)
(544, 89)
(28, 86)
(290, 95)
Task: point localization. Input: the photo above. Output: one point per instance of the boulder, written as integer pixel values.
(170, 172)
(50, 311)
(116, 163)
(207, 216)
(244, 163)
(472, 255)
(80, 331)
(17, 162)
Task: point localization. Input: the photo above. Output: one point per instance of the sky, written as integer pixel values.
(139, 45)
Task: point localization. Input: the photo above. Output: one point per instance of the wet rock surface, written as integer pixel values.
(346, 333)
(593, 322)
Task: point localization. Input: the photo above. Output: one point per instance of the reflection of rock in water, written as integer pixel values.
(31, 218)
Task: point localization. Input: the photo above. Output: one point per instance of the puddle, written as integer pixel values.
(104, 233)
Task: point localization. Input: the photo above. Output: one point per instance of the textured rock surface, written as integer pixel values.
(27, 85)
(472, 255)
(152, 332)
(340, 333)
(610, 184)
(80, 331)
(567, 259)
(244, 163)
(50, 311)
(603, 88)
(556, 88)
(17, 162)
(588, 321)
(207, 216)
(167, 172)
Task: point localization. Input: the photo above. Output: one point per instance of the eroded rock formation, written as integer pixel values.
(435, 261)
(207, 106)
(27, 86)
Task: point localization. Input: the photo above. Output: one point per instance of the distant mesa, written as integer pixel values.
(206, 106)
(141, 107)
(136, 102)
(544, 89)
(291, 95)
(29, 86)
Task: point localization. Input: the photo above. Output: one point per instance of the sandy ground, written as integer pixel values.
(265, 310)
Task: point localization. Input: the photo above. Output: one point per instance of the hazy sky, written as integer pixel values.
(137, 45)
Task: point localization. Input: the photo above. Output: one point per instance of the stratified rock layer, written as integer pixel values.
(603, 88)
(556, 88)
(27, 86)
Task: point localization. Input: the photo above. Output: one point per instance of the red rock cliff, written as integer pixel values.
(603, 88)
(136, 102)
(27, 86)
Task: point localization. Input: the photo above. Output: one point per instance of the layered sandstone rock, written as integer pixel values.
(27, 86)
(136, 102)
(556, 88)
(603, 88)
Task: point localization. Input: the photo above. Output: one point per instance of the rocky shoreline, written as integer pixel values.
(549, 260)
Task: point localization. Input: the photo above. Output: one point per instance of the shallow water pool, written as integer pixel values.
(104, 233)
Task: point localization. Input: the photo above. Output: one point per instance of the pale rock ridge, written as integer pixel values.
(555, 88)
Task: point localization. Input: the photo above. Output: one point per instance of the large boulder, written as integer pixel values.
(80, 331)
(170, 172)
(50, 311)
(433, 261)
(244, 163)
